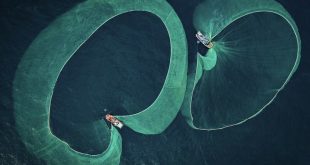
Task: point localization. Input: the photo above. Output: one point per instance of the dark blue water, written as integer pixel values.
(279, 135)
(119, 70)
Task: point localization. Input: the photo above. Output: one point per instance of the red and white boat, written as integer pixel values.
(114, 121)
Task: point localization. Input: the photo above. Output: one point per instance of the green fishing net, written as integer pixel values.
(42, 63)
(256, 50)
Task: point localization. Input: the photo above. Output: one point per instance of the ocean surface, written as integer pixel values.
(138, 43)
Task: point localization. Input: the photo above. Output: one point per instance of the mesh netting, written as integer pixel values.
(256, 51)
(110, 74)
(45, 58)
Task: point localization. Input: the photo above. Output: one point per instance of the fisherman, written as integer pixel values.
(204, 40)
(114, 121)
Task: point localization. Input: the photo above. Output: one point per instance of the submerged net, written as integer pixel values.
(41, 65)
(110, 74)
(256, 51)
